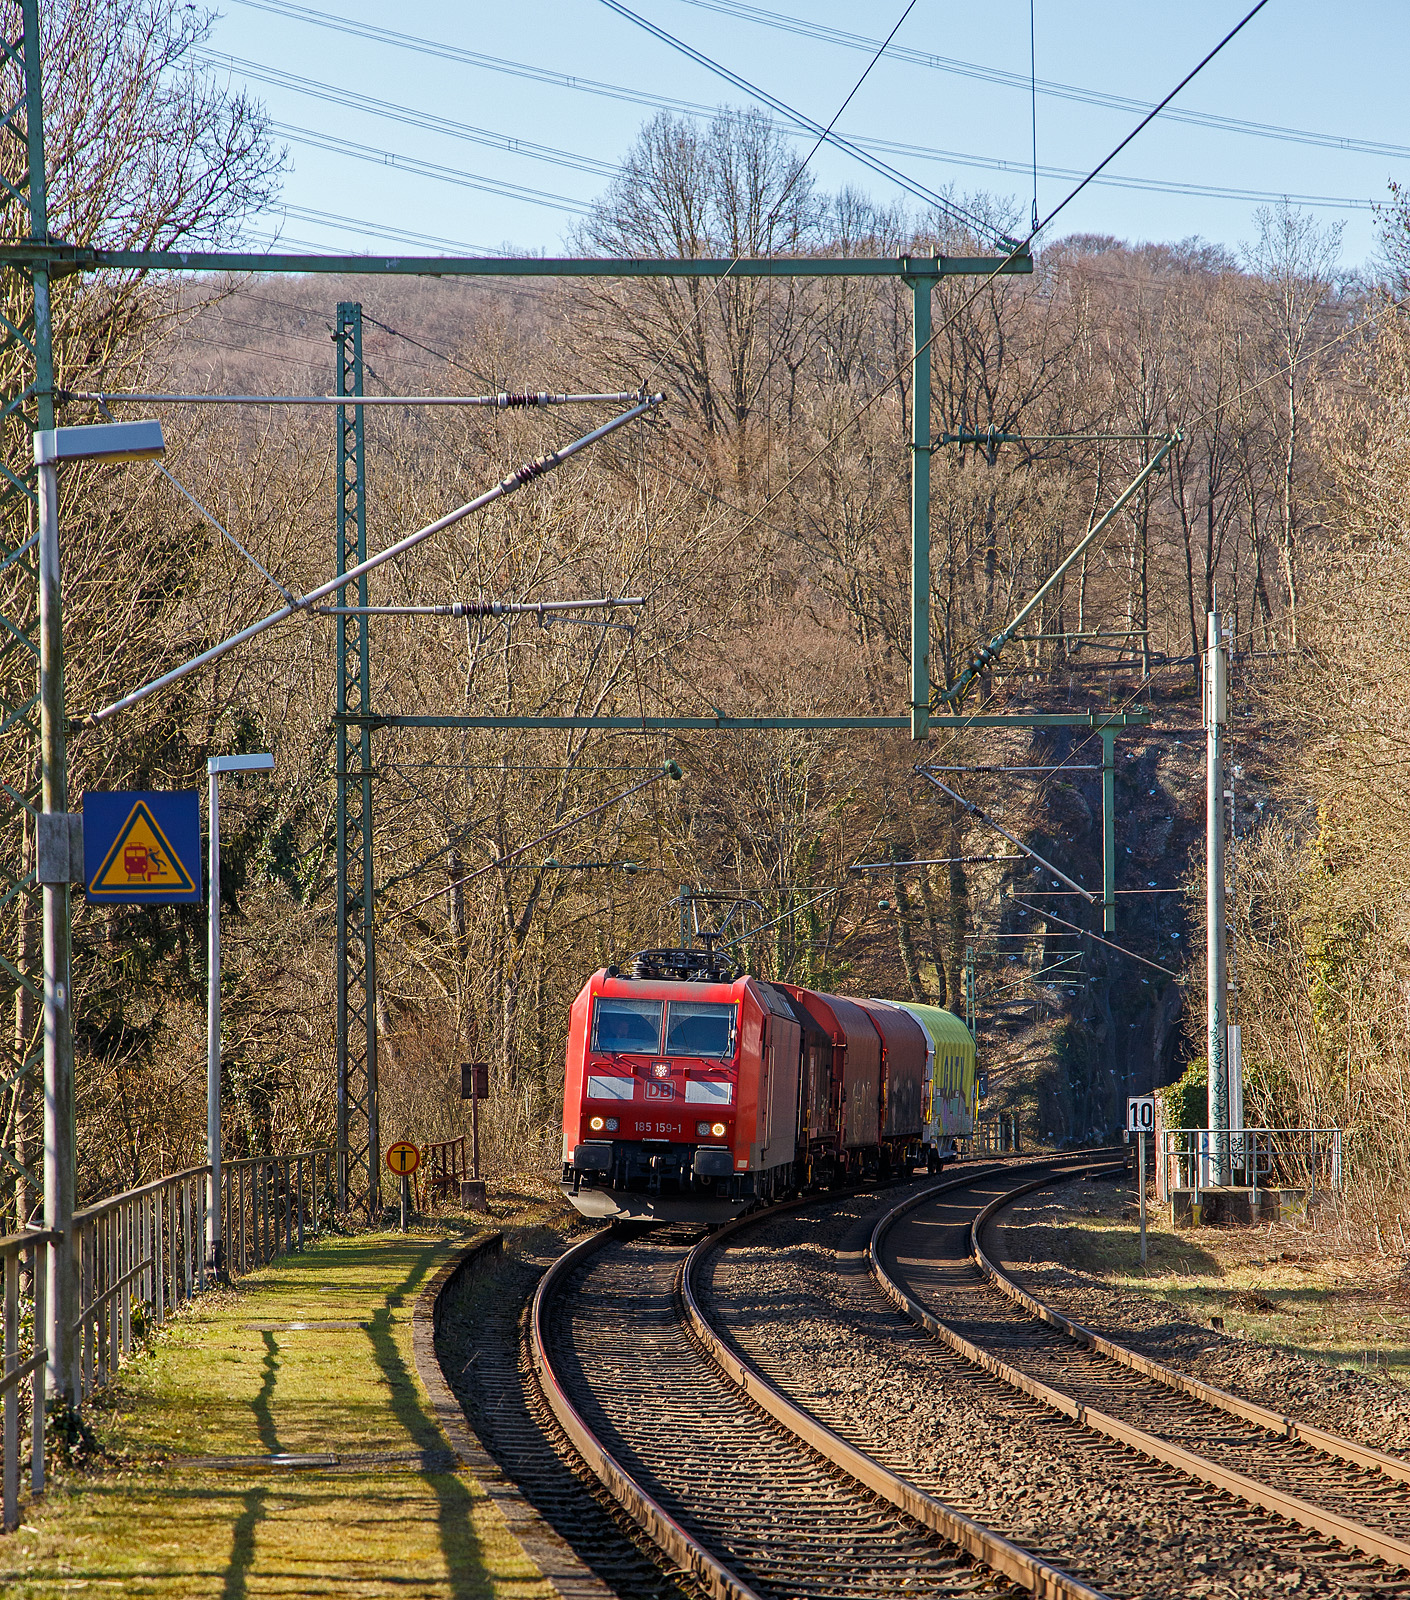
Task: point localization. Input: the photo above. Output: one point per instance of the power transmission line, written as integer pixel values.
(427, 169)
(428, 121)
(574, 161)
(1046, 86)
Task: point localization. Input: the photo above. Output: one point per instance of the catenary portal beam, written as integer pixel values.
(71, 258)
(1117, 719)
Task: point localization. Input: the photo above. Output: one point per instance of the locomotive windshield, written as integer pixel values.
(626, 1025)
(699, 1028)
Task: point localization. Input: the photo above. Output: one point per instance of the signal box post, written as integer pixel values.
(474, 1087)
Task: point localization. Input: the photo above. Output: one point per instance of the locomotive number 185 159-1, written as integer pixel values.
(656, 1127)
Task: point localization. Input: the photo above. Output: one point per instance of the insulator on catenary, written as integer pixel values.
(529, 471)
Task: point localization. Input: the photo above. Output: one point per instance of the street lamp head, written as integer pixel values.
(100, 441)
(261, 762)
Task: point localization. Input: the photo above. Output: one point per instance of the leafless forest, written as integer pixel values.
(763, 515)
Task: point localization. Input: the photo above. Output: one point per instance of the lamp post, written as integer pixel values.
(59, 862)
(215, 1242)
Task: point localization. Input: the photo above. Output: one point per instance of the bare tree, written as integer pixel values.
(1295, 262)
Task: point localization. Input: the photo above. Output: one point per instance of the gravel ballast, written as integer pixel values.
(795, 1296)
(1371, 1410)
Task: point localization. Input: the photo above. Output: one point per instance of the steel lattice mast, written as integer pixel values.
(359, 1165)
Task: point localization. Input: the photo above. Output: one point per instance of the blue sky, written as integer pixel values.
(520, 149)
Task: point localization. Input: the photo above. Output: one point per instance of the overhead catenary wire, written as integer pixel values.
(928, 861)
(482, 608)
(1145, 961)
(809, 28)
(421, 168)
(1027, 849)
(410, 116)
(578, 83)
(509, 400)
(787, 915)
(516, 480)
(823, 135)
(1019, 249)
(220, 527)
(671, 770)
(1027, 82)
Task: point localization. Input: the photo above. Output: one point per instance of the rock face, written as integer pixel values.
(1107, 1025)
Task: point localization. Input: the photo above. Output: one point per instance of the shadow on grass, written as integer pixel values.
(453, 1528)
(1105, 1245)
(242, 1543)
(242, 1535)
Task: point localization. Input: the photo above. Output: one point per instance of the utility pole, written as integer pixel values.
(1216, 697)
(62, 1289)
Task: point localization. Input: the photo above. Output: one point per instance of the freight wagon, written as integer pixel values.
(693, 1094)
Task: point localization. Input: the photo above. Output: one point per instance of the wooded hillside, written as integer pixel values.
(763, 516)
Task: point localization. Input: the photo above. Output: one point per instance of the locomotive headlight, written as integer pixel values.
(718, 1129)
(596, 1124)
(702, 1129)
(611, 1124)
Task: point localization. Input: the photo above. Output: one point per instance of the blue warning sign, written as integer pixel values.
(142, 848)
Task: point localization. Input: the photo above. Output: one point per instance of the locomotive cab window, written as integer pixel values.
(699, 1028)
(619, 1024)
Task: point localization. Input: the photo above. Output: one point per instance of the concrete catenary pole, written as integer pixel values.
(62, 1286)
(1216, 694)
(215, 1242)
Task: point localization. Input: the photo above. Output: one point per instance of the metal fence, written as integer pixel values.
(445, 1169)
(141, 1257)
(993, 1136)
(25, 1257)
(1258, 1158)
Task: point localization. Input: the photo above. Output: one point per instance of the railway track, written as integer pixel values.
(737, 1486)
(748, 1491)
(928, 1257)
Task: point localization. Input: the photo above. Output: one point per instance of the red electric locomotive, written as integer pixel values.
(692, 1093)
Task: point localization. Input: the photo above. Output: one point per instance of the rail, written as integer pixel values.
(1265, 1495)
(687, 1550)
(142, 1255)
(1258, 1158)
(1041, 1578)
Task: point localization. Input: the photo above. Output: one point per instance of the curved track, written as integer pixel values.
(927, 1257)
(740, 1489)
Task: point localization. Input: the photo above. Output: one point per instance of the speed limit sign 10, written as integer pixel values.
(1140, 1113)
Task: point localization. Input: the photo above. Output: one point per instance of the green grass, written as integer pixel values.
(1286, 1285)
(145, 1521)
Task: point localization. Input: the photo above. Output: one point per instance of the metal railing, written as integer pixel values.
(24, 1256)
(1258, 1158)
(445, 1168)
(269, 1199)
(993, 1136)
(141, 1256)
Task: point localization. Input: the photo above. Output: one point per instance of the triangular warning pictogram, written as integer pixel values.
(141, 861)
